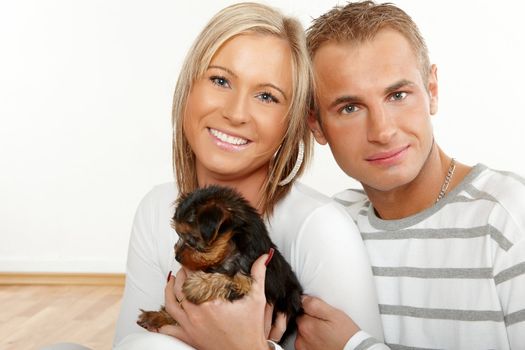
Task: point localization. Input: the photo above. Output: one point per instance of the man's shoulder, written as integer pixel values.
(504, 187)
(506, 191)
(354, 200)
(350, 196)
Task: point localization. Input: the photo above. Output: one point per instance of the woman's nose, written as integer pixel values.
(236, 109)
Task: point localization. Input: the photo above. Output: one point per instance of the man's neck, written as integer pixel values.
(419, 194)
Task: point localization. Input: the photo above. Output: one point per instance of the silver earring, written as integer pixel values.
(296, 167)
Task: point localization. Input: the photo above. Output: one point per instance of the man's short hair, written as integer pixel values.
(358, 22)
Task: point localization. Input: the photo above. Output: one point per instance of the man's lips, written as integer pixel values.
(387, 154)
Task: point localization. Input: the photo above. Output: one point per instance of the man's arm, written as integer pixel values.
(325, 327)
(509, 276)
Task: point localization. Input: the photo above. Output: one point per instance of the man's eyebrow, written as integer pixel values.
(229, 71)
(398, 85)
(345, 99)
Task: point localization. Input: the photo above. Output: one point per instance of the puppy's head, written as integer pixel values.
(204, 222)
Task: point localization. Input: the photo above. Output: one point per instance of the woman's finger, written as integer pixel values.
(173, 296)
(268, 312)
(258, 273)
(278, 327)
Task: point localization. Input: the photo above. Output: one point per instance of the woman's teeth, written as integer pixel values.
(228, 138)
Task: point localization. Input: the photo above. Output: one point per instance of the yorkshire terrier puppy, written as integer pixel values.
(220, 236)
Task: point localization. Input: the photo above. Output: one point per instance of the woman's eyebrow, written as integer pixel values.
(227, 70)
(275, 87)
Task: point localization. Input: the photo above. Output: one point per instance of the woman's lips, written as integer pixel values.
(227, 141)
(225, 137)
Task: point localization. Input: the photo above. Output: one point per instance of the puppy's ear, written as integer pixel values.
(210, 219)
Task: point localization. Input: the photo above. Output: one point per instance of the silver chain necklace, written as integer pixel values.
(450, 172)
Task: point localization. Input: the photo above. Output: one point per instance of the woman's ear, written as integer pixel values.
(315, 128)
(433, 89)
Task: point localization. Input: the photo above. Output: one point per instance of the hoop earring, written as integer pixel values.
(296, 167)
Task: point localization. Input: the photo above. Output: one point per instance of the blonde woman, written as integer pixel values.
(239, 120)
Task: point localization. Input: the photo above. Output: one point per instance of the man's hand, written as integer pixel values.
(323, 326)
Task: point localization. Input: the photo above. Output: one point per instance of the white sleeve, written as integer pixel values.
(274, 346)
(151, 340)
(509, 275)
(331, 262)
(363, 341)
(145, 280)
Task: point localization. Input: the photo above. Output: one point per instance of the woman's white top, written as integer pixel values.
(315, 235)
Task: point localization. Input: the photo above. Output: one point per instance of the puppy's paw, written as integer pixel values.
(154, 320)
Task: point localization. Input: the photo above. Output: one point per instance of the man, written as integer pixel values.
(446, 241)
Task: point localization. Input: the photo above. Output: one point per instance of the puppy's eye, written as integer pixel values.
(227, 225)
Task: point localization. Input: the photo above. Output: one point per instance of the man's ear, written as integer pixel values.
(315, 127)
(433, 89)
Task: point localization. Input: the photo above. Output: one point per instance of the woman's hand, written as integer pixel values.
(220, 324)
(323, 326)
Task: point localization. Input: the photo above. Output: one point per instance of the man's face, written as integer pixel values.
(375, 109)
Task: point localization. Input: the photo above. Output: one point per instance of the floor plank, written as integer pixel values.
(35, 316)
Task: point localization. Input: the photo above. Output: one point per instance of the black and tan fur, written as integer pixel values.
(220, 236)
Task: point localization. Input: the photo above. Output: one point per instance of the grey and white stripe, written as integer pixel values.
(442, 233)
(442, 314)
(510, 273)
(419, 272)
(365, 344)
(513, 176)
(515, 317)
(403, 347)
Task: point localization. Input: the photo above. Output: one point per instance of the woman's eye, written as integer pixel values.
(398, 96)
(267, 97)
(349, 109)
(220, 81)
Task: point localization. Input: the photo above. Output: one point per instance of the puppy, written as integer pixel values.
(220, 236)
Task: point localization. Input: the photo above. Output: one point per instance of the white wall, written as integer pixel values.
(85, 98)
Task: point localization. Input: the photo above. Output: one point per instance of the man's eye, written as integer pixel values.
(398, 96)
(220, 81)
(349, 109)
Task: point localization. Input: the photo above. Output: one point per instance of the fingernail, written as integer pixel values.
(270, 256)
(169, 276)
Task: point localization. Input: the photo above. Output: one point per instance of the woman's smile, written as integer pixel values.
(228, 141)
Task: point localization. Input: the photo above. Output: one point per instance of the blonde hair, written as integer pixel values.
(234, 20)
(360, 21)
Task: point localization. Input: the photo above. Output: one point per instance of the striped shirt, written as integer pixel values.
(453, 275)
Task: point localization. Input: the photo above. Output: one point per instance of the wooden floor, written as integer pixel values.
(39, 315)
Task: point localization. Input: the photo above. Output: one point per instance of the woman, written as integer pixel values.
(239, 118)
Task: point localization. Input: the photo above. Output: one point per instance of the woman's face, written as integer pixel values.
(235, 114)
